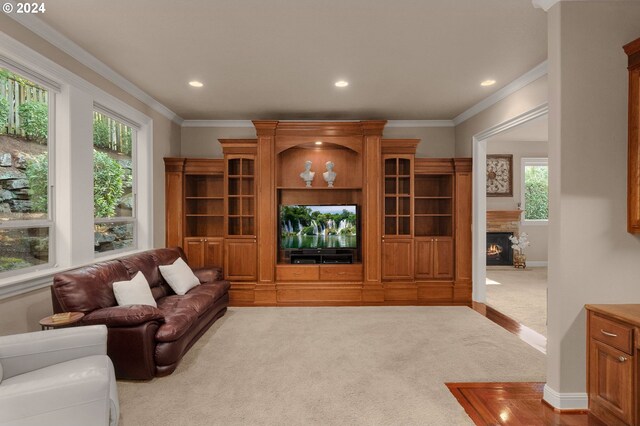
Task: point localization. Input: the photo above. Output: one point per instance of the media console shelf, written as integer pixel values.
(414, 217)
(312, 257)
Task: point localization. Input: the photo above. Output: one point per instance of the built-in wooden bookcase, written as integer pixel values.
(241, 196)
(240, 242)
(195, 209)
(433, 205)
(346, 155)
(414, 226)
(398, 172)
(204, 205)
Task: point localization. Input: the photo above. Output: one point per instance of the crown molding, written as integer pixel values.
(548, 4)
(65, 44)
(517, 84)
(544, 4)
(420, 123)
(217, 123)
(249, 123)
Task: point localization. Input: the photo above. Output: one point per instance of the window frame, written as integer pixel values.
(524, 162)
(133, 219)
(74, 102)
(50, 223)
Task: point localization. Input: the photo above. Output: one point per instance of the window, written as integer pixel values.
(535, 189)
(25, 198)
(114, 196)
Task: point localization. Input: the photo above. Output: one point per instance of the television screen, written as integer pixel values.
(314, 227)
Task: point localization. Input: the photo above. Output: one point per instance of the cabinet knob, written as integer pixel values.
(622, 358)
(606, 333)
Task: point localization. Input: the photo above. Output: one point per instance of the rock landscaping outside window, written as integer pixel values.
(113, 184)
(24, 173)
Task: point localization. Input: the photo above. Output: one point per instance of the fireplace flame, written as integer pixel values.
(494, 250)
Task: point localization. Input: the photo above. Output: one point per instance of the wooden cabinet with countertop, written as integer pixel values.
(612, 362)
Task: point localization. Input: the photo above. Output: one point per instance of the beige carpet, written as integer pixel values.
(332, 366)
(520, 294)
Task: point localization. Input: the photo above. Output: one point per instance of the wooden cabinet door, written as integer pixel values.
(424, 258)
(240, 260)
(213, 252)
(194, 249)
(397, 260)
(443, 258)
(611, 381)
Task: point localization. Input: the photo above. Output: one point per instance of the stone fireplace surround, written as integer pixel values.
(503, 221)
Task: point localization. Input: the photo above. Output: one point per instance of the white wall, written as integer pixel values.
(530, 96)
(436, 142)
(592, 259)
(538, 234)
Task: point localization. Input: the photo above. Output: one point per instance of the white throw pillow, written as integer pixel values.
(179, 276)
(134, 292)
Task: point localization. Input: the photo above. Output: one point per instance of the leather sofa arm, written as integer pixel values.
(124, 316)
(208, 275)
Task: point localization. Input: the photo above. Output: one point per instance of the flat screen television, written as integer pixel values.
(318, 227)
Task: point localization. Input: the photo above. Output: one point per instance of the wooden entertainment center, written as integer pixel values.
(414, 216)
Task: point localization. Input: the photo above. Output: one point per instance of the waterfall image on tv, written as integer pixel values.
(313, 227)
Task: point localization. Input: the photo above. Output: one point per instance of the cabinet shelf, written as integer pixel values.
(433, 214)
(422, 197)
(204, 198)
(204, 215)
(318, 188)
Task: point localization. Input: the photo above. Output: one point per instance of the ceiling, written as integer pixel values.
(279, 59)
(536, 130)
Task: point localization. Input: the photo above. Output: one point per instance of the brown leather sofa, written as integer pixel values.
(143, 341)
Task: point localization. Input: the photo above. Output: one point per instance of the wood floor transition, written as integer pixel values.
(514, 404)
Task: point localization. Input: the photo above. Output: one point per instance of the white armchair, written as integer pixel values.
(58, 377)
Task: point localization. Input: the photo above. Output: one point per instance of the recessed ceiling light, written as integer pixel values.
(195, 83)
(318, 142)
(488, 83)
(341, 83)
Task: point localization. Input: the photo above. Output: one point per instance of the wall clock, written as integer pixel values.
(500, 175)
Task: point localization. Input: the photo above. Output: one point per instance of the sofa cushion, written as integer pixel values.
(177, 319)
(89, 288)
(145, 263)
(166, 256)
(208, 275)
(213, 290)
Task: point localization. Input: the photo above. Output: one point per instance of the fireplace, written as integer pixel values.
(499, 251)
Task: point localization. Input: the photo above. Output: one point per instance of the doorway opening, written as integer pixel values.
(510, 186)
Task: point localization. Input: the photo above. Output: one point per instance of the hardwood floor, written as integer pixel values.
(514, 404)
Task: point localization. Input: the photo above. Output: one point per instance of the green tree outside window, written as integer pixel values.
(536, 192)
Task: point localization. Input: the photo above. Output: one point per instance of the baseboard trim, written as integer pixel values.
(565, 401)
(537, 263)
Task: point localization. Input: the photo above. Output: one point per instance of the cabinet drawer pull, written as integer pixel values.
(622, 358)
(606, 333)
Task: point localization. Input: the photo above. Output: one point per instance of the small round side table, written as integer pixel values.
(59, 321)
